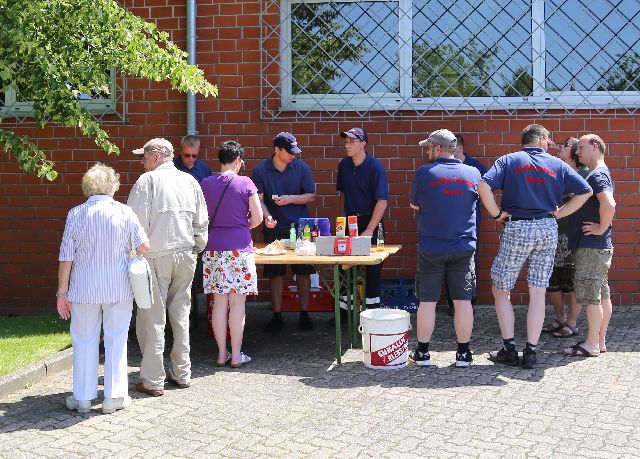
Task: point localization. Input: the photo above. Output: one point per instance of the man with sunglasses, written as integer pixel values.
(533, 183)
(188, 160)
(285, 187)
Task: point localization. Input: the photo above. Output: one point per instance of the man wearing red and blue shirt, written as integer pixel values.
(445, 193)
(533, 183)
(362, 180)
(285, 187)
(469, 161)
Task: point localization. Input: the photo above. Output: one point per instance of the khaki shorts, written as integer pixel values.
(591, 283)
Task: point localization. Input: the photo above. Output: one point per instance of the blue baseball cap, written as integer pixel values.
(355, 133)
(287, 141)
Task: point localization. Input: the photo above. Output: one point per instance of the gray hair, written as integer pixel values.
(100, 179)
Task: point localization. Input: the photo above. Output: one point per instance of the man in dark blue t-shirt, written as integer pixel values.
(533, 183)
(188, 160)
(594, 249)
(285, 187)
(362, 180)
(445, 194)
(469, 161)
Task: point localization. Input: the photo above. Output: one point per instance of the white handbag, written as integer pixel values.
(140, 278)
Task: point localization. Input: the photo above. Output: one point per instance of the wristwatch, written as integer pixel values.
(59, 294)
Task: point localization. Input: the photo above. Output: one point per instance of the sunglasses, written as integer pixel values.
(186, 155)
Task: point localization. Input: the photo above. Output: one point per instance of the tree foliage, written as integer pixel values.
(52, 51)
(449, 71)
(320, 41)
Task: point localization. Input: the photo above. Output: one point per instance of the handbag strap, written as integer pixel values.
(215, 212)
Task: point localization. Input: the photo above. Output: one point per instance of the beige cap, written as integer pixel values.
(158, 144)
(442, 137)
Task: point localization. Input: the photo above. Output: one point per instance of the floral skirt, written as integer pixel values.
(229, 271)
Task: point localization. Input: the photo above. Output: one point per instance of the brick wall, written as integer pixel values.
(32, 211)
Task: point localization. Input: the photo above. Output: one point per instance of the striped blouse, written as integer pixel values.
(97, 239)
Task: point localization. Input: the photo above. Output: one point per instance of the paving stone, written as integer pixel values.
(293, 401)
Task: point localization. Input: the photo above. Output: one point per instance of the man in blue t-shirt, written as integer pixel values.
(533, 183)
(594, 249)
(362, 180)
(445, 194)
(188, 160)
(469, 161)
(285, 187)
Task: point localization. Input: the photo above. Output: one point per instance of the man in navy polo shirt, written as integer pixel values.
(445, 194)
(285, 187)
(469, 161)
(362, 180)
(594, 249)
(188, 160)
(533, 183)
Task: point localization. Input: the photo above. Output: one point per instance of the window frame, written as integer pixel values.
(540, 99)
(15, 109)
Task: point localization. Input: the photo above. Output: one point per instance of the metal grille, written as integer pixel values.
(442, 58)
(104, 108)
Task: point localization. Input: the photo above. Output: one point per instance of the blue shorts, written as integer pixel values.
(532, 241)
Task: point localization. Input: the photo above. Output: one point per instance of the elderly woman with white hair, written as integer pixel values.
(94, 288)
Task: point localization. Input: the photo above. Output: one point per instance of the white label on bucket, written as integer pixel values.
(389, 350)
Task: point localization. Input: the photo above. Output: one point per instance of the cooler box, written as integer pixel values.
(319, 300)
(323, 225)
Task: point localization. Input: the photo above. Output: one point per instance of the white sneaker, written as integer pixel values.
(81, 406)
(244, 359)
(110, 405)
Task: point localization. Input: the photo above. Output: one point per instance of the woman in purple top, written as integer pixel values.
(229, 265)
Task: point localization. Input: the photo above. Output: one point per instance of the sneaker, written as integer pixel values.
(110, 405)
(422, 359)
(529, 359)
(244, 359)
(81, 406)
(505, 356)
(275, 324)
(463, 359)
(306, 324)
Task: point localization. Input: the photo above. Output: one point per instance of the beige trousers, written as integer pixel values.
(172, 276)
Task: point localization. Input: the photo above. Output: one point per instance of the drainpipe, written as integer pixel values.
(191, 59)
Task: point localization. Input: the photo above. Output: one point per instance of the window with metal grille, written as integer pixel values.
(475, 55)
(12, 104)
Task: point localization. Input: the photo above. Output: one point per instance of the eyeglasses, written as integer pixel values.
(187, 155)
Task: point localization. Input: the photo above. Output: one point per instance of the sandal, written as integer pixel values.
(553, 327)
(567, 331)
(244, 359)
(578, 351)
(221, 363)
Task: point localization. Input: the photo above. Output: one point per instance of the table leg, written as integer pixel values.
(336, 302)
(351, 281)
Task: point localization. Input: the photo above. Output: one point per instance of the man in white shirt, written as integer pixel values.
(171, 208)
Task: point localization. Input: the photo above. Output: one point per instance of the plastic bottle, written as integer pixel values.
(380, 241)
(306, 234)
(292, 236)
(315, 232)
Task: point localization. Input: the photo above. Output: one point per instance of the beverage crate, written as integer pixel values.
(398, 294)
(320, 300)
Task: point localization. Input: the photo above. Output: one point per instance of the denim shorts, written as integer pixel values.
(532, 241)
(591, 282)
(459, 269)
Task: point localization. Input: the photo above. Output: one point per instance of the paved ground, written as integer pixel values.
(291, 402)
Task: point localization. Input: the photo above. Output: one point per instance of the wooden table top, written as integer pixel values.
(377, 256)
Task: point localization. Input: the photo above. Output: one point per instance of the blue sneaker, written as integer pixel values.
(420, 358)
